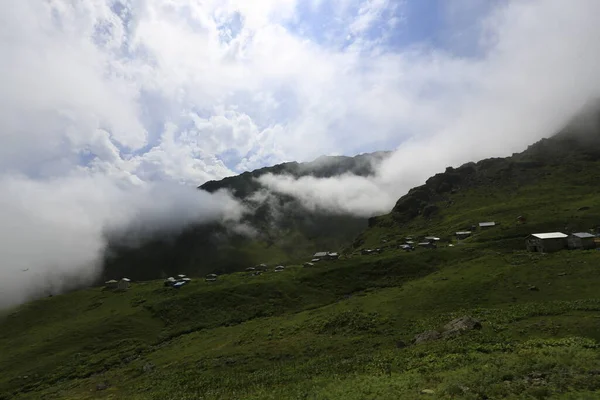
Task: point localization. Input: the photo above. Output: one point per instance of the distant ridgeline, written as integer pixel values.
(286, 230)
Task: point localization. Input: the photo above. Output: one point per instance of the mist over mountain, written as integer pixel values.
(274, 228)
(177, 93)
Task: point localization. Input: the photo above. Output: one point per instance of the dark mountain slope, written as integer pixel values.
(286, 231)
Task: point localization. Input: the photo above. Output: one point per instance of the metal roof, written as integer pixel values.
(549, 235)
(487, 223)
(463, 233)
(321, 254)
(432, 238)
(583, 235)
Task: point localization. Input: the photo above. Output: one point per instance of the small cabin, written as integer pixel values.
(581, 240)
(463, 235)
(279, 268)
(308, 264)
(546, 242)
(333, 256)
(124, 284)
(427, 245)
(321, 255)
(112, 284)
(430, 239)
(486, 225)
(170, 281)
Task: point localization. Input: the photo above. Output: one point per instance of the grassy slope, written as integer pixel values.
(332, 332)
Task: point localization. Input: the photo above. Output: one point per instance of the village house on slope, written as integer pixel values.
(325, 255)
(112, 284)
(124, 284)
(581, 240)
(463, 235)
(431, 239)
(486, 225)
(546, 242)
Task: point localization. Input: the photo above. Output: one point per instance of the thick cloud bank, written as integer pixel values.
(540, 67)
(52, 235)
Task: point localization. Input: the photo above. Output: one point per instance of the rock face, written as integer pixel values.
(454, 328)
(427, 336)
(459, 326)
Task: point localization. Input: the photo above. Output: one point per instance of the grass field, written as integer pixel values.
(343, 329)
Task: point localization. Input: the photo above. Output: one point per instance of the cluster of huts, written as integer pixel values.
(460, 235)
(178, 282)
(554, 241)
(537, 242)
(321, 256)
(367, 252)
(122, 284)
(260, 268)
(324, 255)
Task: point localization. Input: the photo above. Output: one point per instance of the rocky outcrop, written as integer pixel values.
(427, 336)
(459, 326)
(454, 328)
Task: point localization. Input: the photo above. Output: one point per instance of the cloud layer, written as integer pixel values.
(540, 67)
(103, 103)
(53, 232)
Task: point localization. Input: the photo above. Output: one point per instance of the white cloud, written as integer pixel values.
(183, 91)
(52, 232)
(533, 78)
(368, 14)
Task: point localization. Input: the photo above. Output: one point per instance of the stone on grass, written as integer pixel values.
(427, 336)
(459, 326)
(148, 367)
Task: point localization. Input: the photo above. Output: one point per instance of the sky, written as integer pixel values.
(107, 102)
(190, 90)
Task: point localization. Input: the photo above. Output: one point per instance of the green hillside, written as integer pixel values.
(344, 329)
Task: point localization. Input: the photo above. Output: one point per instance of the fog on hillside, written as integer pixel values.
(53, 235)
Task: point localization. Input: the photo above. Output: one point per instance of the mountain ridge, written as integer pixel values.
(286, 230)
